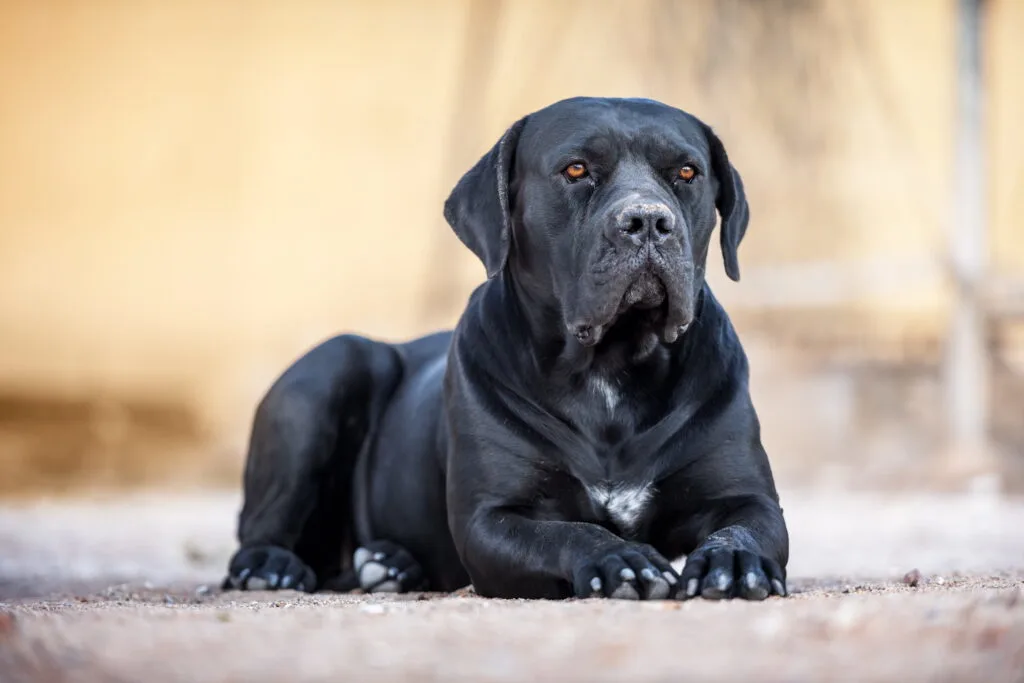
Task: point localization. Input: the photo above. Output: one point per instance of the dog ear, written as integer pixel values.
(731, 202)
(478, 208)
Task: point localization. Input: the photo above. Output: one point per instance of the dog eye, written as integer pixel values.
(575, 171)
(687, 173)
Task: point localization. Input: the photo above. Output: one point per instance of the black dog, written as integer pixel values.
(588, 418)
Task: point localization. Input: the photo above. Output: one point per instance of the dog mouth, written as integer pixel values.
(644, 310)
(645, 293)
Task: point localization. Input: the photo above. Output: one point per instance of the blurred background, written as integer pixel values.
(193, 193)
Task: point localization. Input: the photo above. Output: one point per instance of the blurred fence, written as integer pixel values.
(192, 193)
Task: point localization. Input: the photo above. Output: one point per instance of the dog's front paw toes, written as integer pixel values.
(724, 573)
(386, 567)
(629, 572)
(268, 567)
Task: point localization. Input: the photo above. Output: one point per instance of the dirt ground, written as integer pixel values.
(125, 589)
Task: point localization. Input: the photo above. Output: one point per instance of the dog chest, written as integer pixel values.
(625, 504)
(606, 392)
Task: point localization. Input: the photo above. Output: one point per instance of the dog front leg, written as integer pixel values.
(509, 555)
(742, 547)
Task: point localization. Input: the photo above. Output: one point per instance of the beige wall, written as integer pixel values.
(191, 193)
(1005, 73)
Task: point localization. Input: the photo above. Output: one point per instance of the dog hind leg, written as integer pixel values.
(297, 526)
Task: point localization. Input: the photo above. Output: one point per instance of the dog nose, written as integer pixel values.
(642, 222)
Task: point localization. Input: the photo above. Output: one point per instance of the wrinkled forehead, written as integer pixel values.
(609, 130)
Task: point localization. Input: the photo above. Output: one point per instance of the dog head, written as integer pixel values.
(604, 210)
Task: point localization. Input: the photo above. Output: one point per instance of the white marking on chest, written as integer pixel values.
(606, 390)
(625, 504)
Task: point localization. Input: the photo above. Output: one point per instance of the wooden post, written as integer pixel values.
(966, 380)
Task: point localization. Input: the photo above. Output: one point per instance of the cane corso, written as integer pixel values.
(587, 421)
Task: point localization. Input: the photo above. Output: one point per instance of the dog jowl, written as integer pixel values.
(588, 419)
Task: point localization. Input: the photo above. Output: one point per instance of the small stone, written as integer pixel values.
(939, 580)
(223, 617)
(912, 578)
(6, 624)
(991, 637)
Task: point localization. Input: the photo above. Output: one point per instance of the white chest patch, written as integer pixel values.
(624, 504)
(606, 390)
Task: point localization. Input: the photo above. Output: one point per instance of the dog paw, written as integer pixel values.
(386, 567)
(724, 573)
(268, 567)
(631, 571)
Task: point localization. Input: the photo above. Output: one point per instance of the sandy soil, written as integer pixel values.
(125, 589)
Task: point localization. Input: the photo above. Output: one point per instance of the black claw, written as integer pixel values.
(286, 582)
(779, 587)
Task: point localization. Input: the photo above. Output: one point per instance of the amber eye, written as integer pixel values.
(575, 171)
(687, 173)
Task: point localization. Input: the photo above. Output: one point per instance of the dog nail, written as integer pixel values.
(378, 556)
(751, 579)
(595, 585)
(722, 582)
(625, 591)
(627, 574)
(692, 586)
(658, 589)
(372, 574)
(401, 578)
(393, 572)
(243, 575)
(648, 574)
(301, 587)
(272, 579)
(779, 587)
(670, 578)
(256, 584)
(286, 582)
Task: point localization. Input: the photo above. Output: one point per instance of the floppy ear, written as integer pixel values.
(478, 208)
(731, 202)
